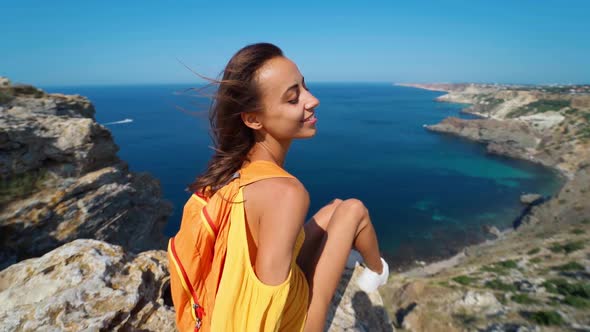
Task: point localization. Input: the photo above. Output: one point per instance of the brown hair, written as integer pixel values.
(237, 92)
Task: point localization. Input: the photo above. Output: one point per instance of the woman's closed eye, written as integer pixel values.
(295, 98)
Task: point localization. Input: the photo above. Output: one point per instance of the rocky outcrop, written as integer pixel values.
(529, 199)
(53, 132)
(61, 179)
(87, 285)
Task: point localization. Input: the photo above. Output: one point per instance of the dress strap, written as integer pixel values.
(260, 170)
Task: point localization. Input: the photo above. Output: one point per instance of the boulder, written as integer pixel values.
(87, 285)
(493, 230)
(480, 302)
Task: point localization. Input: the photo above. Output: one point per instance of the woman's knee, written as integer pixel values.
(335, 202)
(324, 215)
(355, 208)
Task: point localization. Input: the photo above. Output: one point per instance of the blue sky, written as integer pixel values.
(128, 42)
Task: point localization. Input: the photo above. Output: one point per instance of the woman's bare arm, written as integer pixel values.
(283, 209)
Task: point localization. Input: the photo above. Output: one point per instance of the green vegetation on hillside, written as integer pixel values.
(5, 96)
(571, 266)
(501, 267)
(523, 299)
(544, 317)
(533, 251)
(492, 102)
(21, 185)
(497, 284)
(28, 90)
(540, 106)
(575, 294)
(464, 280)
(567, 247)
(577, 231)
(584, 132)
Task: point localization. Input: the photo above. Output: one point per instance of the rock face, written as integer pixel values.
(87, 285)
(61, 179)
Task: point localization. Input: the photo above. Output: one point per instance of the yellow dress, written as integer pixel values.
(243, 302)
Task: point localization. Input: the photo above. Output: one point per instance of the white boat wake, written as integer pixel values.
(118, 122)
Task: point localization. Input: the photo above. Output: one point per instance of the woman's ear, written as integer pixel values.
(251, 120)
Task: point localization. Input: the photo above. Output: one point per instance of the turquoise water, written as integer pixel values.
(428, 194)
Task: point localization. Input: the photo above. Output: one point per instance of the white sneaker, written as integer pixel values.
(369, 280)
(354, 259)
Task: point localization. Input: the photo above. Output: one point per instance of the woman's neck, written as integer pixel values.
(271, 150)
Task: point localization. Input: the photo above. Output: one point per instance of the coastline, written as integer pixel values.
(429, 267)
(565, 175)
(518, 281)
(437, 266)
(500, 112)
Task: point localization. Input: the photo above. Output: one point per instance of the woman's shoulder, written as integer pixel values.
(273, 190)
(279, 186)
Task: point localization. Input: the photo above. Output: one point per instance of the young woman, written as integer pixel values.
(262, 104)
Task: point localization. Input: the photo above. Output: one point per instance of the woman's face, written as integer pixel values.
(288, 107)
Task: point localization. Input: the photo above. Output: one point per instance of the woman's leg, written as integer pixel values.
(315, 230)
(349, 226)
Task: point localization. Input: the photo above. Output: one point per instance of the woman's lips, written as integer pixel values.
(308, 118)
(312, 119)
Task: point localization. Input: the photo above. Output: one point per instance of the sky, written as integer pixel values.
(70, 43)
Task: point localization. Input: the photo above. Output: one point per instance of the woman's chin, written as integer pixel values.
(310, 134)
(307, 134)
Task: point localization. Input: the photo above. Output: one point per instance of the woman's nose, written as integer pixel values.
(313, 102)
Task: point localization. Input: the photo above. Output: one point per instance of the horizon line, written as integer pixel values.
(311, 82)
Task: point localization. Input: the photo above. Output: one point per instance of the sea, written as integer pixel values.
(428, 194)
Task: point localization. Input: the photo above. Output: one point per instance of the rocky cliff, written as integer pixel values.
(82, 247)
(61, 179)
(537, 276)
